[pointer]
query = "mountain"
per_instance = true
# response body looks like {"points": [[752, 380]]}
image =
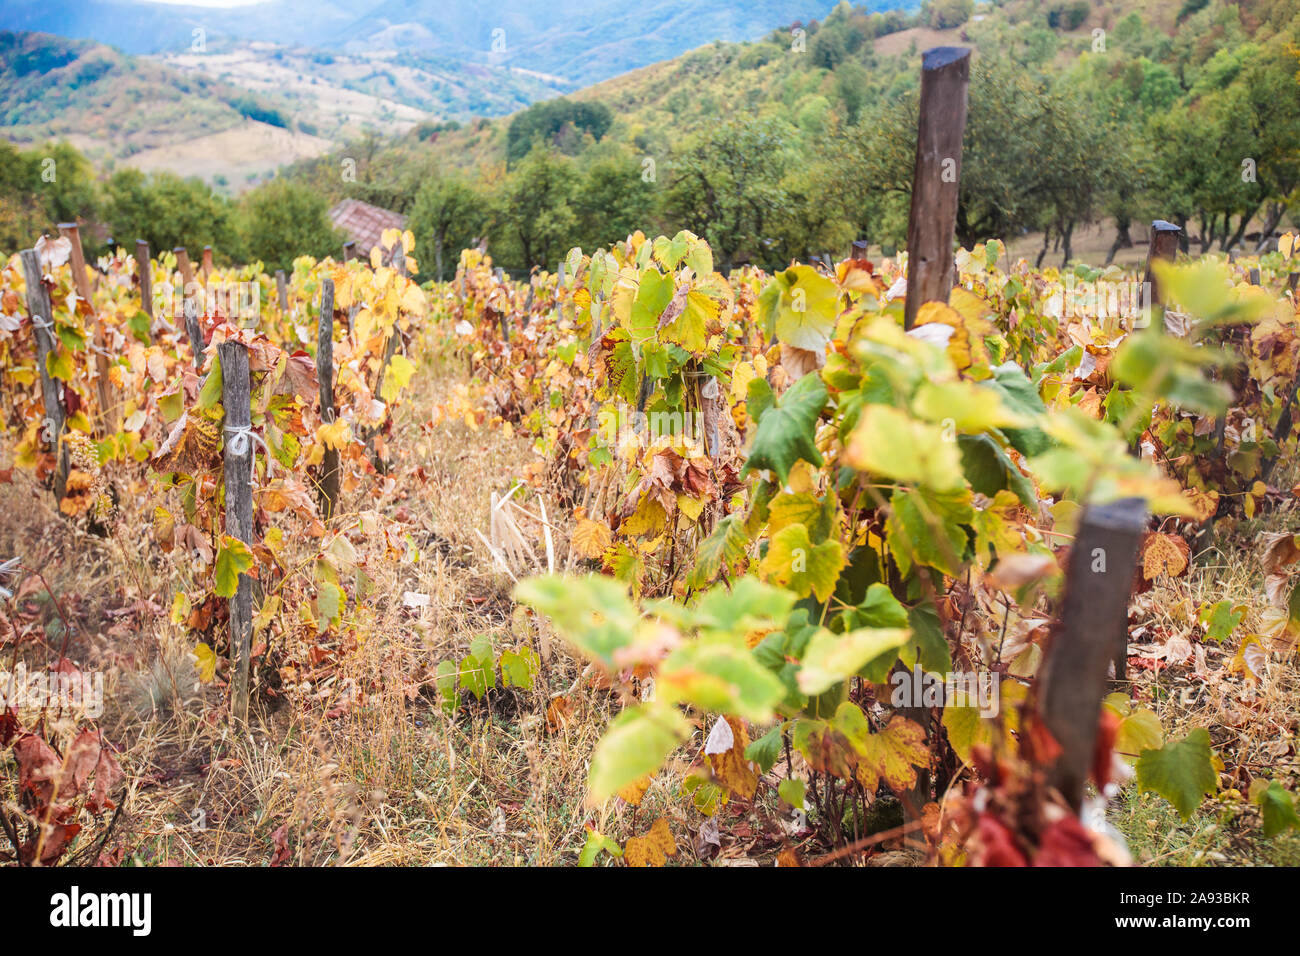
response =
{"points": [[577, 41], [115, 107]]}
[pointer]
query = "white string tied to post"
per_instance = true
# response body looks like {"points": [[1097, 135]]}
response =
{"points": [[242, 440], [40, 323]]}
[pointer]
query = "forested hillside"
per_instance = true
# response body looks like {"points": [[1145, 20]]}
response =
{"points": [[799, 143]]}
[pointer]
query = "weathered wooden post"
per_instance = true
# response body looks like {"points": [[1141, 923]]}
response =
{"points": [[1093, 633], [81, 282], [395, 337], [206, 267], [235, 398], [329, 480], [186, 267], [282, 291], [190, 290], [349, 250], [144, 277], [47, 344], [77, 259], [1254, 275], [936, 179], [1292, 280], [1164, 245]]}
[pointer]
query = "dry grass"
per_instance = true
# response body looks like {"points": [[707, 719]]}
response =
{"points": [[1253, 725], [391, 779]]}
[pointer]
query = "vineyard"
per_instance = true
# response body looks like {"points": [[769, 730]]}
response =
{"points": [[931, 559], [735, 509]]}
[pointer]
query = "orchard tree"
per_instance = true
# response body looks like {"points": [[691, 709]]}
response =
{"points": [[726, 185], [167, 211], [535, 217], [281, 220], [448, 216]]}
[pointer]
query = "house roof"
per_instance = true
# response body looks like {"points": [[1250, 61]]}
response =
{"points": [[364, 223]]}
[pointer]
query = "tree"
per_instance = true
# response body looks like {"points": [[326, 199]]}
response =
{"points": [[946, 14], [281, 220], [535, 218], [167, 211], [614, 198], [449, 215], [726, 186], [550, 120]]}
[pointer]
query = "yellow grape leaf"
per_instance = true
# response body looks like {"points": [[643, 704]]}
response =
{"points": [[180, 607], [1164, 554], [725, 751], [653, 848], [792, 561], [413, 300], [741, 376], [333, 435], [164, 528], [1204, 504], [889, 442], [207, 662], [400, 370], [590, 538], [967, 727], [691, 507], [635, 791], [892, 755], [1250, 658]]}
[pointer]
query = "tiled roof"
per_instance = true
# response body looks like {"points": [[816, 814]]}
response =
{"points": [[364, 223]]}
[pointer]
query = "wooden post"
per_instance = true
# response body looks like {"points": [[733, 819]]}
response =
{"points": [[235, 398], [206, 267], [329, 481], [47, 344], [189, 291], [282, 290], [1093, 633], [1254, 275], [187, 269], [1291, 281], [945, 77], [144, 277], [399, 266], [77, 259], [1164, 245], [81, 282], [349, 250]]}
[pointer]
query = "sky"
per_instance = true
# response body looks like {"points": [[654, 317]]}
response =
{"points": [[205, 3]]}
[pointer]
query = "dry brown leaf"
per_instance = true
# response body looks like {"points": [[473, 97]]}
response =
{"points": [[653, 848], [1164, 554], [590, 538]]}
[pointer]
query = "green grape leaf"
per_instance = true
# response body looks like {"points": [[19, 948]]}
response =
{"points": [[1182, 772], [787, 430], [592, 613], [794, 561], [724, 548], [635, 745], [830, 658], [233, 559], [891, 443], [1278, 809]]}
